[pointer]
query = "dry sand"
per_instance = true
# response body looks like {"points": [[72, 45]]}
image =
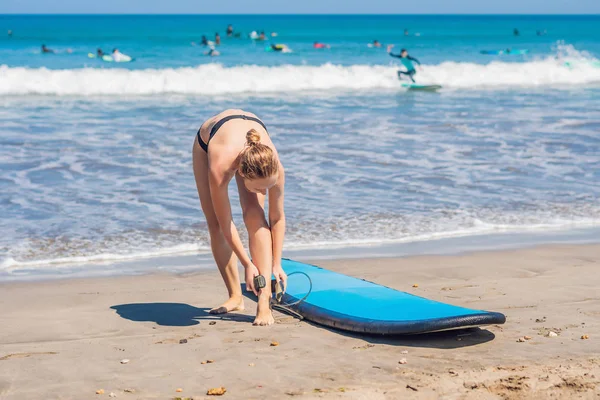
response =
{"points": [[66, 339]]}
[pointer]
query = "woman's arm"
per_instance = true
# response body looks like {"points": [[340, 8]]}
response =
{"points": [[219, 182], [277, 224]]}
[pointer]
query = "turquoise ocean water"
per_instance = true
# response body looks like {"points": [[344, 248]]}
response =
{"points": [[95, 161], [166, 41]]}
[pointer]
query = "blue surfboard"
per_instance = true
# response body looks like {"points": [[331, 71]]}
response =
{"points": [[343, 302], [418, 86]]}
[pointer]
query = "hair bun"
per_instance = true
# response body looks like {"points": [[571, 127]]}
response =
{"points": [[252, 137]]}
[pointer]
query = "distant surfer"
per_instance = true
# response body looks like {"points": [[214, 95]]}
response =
{"points": [[204, 41], [407, 61], [229, 30], [376, 43], [99, 52], [262, 36], [235, 143], [280, 47], [318, 45], [117, 56], [217, 39], [516, 32], [46, 50], [212, 52]]}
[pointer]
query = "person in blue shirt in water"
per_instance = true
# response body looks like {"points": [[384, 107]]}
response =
{"points": [[407, 61]]}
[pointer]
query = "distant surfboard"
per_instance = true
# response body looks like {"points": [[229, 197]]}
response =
{"points": [[418, 86], [577, 63], [108, 58], [506, 52], [280, 48]]}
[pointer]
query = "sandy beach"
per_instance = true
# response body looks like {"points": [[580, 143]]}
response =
{"points": [[66, 339]]}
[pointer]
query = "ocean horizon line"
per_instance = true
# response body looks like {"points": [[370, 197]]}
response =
{"points": [[306, 14]]}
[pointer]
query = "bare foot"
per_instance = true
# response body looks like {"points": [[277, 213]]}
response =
{"points": [[233, 304], [264, 316]]}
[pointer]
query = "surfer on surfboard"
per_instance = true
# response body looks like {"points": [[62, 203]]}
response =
{"points": [[235, 143], [120, 57], [407, 61]]}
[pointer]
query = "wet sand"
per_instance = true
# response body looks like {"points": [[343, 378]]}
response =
{"points": [[66, 339]]}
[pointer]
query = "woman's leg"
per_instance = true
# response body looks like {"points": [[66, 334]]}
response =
{"points": [[261, 246], [224, 257]]}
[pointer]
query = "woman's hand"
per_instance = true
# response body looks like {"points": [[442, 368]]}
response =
{"points": [[251, 272], [280, 276]]}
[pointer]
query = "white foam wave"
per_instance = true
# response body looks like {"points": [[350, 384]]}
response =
{"points": [[211, 79], [10, 264], [477, 228]]}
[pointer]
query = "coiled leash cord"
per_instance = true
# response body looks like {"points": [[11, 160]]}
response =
{"points": [[285, 307]]}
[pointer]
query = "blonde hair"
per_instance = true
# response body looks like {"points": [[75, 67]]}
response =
{"points": [[257, 160]]}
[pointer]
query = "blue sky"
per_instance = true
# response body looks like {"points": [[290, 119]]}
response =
{"points": [[301, 7]]}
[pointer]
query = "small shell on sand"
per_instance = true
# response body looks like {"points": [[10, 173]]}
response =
{"points": [[212, 323], [210, 361], [182, 341], [129, 390], [216, 391], [583, 337], [111, 394], [402, 361], [179, 390], [527, 337], [521, 339], [251, 365], [551, 334], [124, 361], [203, 362], [274, 343], [100, 391], [416, 285]]}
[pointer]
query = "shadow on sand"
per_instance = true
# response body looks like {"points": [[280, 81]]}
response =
{"points": [[173, 314], [179, 314]]}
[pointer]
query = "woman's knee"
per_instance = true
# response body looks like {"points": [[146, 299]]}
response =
{"points": [[254, 218], [214, 230]]}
